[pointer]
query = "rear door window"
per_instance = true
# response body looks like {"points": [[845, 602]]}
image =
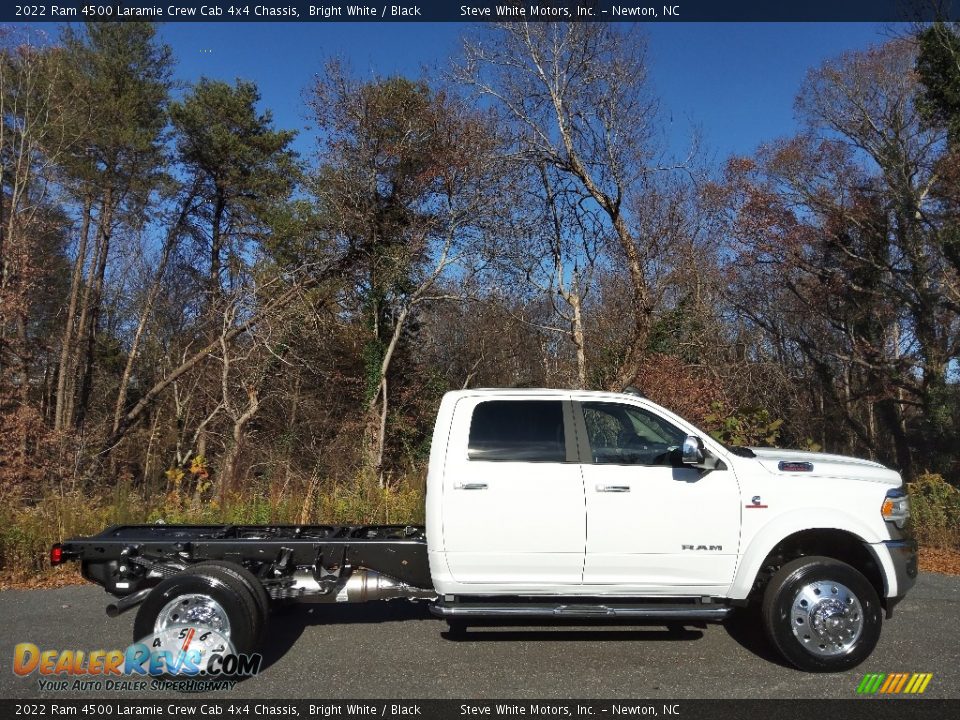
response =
{"points": [[517, 431]]}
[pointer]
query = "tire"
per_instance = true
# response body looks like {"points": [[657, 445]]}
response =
{"points": [[821, 614], [251, 582], [226, 592]]}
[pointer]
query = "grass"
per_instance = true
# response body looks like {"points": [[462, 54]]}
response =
{"points": [[27, 532]]}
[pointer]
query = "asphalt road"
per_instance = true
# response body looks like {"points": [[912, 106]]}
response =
{"points": [[398, 650]]}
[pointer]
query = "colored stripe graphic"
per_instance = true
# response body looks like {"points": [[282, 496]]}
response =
{"points": [[922, 682], [890, 682], [870, 683], [894, 683], [900, 683]]}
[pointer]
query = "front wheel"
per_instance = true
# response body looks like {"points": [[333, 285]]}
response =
{"points": [[821, 614]]}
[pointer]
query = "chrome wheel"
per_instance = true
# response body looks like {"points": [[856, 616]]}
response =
{"points": [[192, 610], [827, 618]]}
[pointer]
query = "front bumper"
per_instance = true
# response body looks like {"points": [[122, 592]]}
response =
{"points": [[903, 557]]}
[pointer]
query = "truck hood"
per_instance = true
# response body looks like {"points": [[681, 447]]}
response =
{"points": [[824, 465]]}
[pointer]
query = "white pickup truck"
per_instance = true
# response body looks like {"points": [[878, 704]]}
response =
{"points": [[558, 504]]}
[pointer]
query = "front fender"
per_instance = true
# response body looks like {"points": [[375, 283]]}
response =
{"points": [[786, 524]]}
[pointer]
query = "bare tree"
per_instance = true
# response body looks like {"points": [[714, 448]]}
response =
{"points": [[552, 245], [33, 140], [577, 97]]}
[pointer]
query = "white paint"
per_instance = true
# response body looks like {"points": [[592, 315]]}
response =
{"points": [[544, 529]]}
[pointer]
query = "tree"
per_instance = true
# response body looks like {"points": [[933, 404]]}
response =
{"points": [[33, 139], [120, 78], [576, 96], [550, 245], [406, 178], [938, 67], [243, 167], [843, 258]]}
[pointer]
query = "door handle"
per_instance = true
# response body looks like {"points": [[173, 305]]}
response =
{"points": [[470, 486], [613, 488]]}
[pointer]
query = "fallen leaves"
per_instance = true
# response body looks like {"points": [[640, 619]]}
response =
{"points": [[940, 560], [52, 578]]}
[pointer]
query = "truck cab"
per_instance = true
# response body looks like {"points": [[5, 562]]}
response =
{"points": [[591, 494]]}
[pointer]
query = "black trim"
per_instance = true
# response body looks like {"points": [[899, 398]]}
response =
{"points": [[570, 433], [903, 554], [905, 563]]}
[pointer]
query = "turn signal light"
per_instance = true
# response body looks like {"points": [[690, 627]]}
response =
{"points": [[896, 507]]}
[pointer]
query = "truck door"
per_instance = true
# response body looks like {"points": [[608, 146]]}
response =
{"points": [[513, 496], [652, 523]]}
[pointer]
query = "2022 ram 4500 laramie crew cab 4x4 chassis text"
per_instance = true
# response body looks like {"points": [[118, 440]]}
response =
{"points": [[560, 504]]}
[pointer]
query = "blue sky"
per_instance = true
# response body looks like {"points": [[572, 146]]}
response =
{"points": [[735, 82]]}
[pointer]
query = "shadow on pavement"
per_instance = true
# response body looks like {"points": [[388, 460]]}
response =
{"points": [[288, 622], [746, 629], [287, 625]]}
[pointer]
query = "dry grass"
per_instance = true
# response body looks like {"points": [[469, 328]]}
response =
{"points": [[27, 532]]}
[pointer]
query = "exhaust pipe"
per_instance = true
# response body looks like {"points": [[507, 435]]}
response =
{"points": [[125, 603]]}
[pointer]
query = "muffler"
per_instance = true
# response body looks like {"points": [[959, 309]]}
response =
{"points": [[366, 585]]}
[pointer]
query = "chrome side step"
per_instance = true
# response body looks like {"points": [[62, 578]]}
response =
{"points": [[670, 613]]}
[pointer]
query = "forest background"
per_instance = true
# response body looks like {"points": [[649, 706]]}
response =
{"points": [[200, 324]]}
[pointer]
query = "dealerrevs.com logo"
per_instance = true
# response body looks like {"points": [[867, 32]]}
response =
{"points": [[894, 683], [184, 658]]}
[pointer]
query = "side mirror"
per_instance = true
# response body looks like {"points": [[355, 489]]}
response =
{"points": [[691, 452]]}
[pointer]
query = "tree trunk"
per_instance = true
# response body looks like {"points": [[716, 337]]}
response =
{"points": [[216, 243], [889, 413], [171, 241], [578, 340], [379, 404], [93, 313], [66, 367], [233, 449]]}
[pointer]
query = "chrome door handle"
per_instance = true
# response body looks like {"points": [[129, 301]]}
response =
{"points": [[470, 486], [613, 488]]}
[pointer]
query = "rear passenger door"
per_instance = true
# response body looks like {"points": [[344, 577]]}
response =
{"points": [[513, 496]]}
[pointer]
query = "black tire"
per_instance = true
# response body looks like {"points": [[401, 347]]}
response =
{"points": [[249, 579], [224, 588], [780, 613]]}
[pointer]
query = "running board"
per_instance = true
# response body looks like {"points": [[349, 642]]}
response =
{"points": [[669, 613]]}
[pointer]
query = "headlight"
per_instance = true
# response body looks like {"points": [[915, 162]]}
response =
{"points": [[896, 507]]}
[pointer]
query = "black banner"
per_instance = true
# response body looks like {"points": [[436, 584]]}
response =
{"points": [[225, 709], [486, 10]]}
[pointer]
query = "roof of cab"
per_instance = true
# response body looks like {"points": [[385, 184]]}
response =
{"points": [[548, 392]]}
